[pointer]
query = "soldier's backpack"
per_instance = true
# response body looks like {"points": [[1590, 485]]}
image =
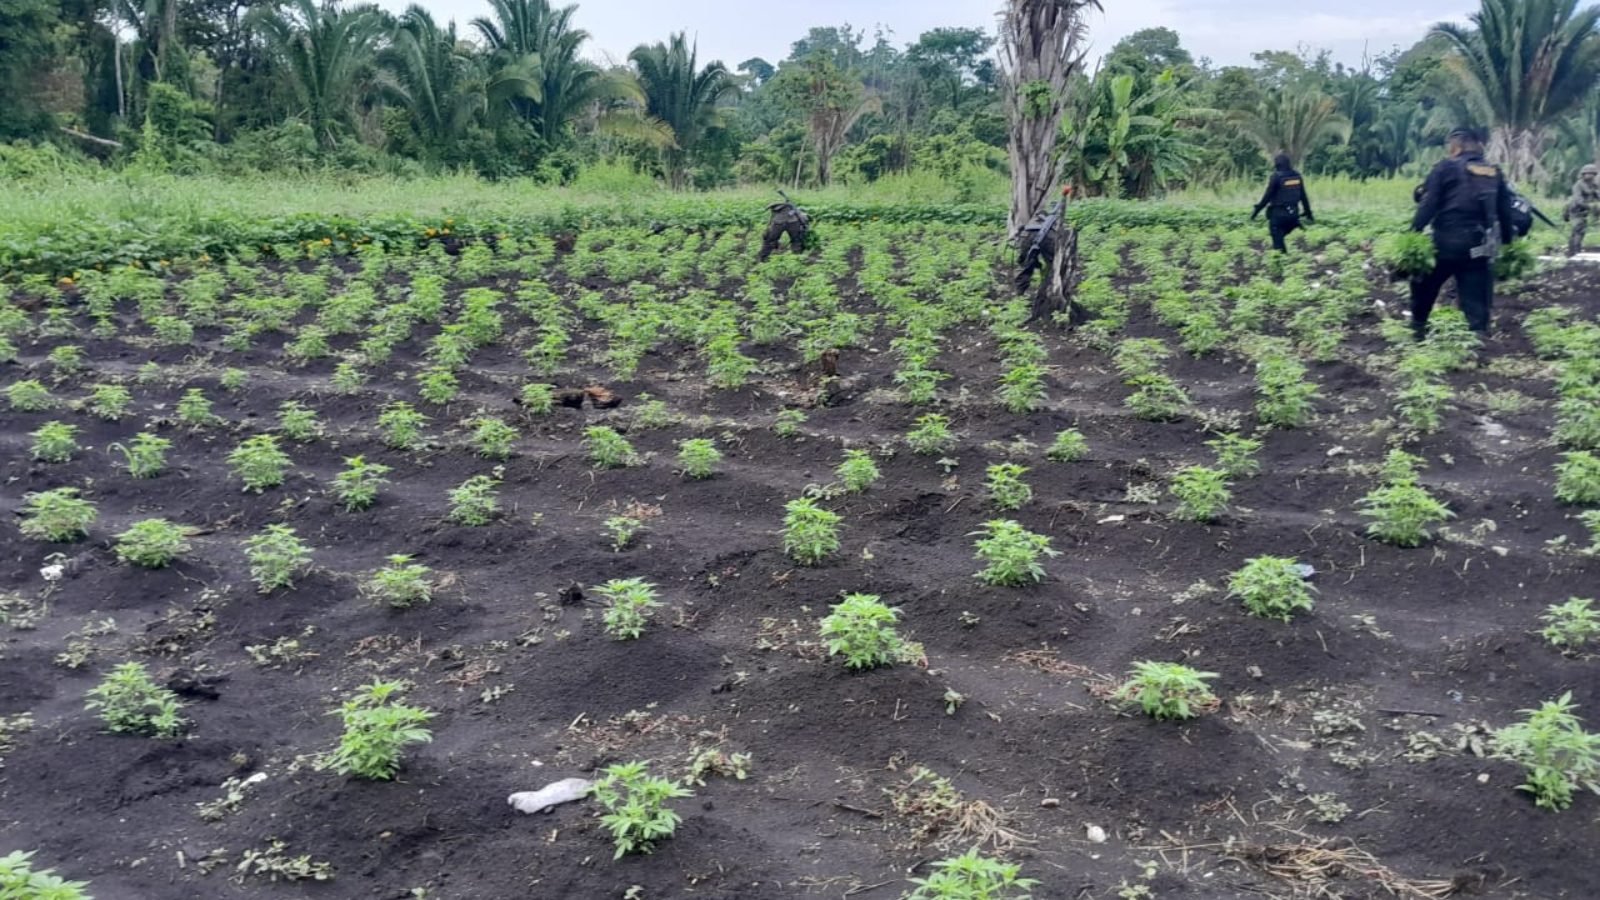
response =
{"points": [[1521, 215]]}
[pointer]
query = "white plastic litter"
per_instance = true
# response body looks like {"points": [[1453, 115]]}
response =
{"points": [[1306, 570], [1095, 834], [52, 573], [550, 796]]}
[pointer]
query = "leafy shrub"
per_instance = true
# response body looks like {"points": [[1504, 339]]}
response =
{"points": [[357, 486], [152, 543], [259, 463], [1168, 690], [194, 409], [298, 422], [973, 876], [861, 628], [376, 730], [1202, 494], [19, 880], [276, 556], [1271, 587], [1283, 396], [1022, 388], [608, 449], [1572, 624], [628, 605], [1157, 398], [58, 515], [1516, 260], [402, 583], [110, 402], [1068, 446], [858, 471], [622, 530], [788, 422], [1578, 478], [55, 442], [538, 399], [475, 502], [1556, 752], [636, 807], [810, 533], [699, 457], [131, 703], [931, 436], [1007, 490], [1011, 553]]}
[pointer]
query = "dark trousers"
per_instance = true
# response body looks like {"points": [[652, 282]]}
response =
{"points": [[1280, 225], [1474, 285], [775, 231]]}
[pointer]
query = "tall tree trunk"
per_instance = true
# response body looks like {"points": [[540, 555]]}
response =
{"points": [[1041, 43]]}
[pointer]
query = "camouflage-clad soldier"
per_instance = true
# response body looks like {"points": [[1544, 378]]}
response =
{"points": [[1585, 202], [786, 219]]}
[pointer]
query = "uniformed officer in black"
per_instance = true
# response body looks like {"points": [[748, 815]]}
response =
{"points": [[1468, 203], [1285, 196]]}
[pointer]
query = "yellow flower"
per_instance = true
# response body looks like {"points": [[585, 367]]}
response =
{"points": [[65, 282], [446, 231], [430, 232], [327, 242]]}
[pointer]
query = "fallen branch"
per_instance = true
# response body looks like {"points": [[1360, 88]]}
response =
{"points": [[85, 136]]}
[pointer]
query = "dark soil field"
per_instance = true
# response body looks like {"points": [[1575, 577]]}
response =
{"points": [[1349, 755]]}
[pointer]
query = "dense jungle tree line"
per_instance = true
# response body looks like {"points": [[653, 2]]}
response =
{"points": [[273, 85]]}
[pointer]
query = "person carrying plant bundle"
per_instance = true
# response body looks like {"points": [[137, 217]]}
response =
{"points": [[1469, 205], [786, 218], [1584, 203], [1283, 201]]}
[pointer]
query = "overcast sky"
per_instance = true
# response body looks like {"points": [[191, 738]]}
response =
{"points": [[1227, 31]]}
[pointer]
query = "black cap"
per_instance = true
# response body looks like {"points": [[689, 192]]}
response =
{"points": [[1466, 132]]}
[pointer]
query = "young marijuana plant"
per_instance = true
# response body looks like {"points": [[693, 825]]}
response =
{"points": [[194, 409], [357, 486], [438, 386], [131, 703], [1572, 624], [493, 438], [1577, 477], [1271, 587], [475, 502], [152, 543], [276, 556], [20, 880], [636, 807], [628, 605], [861, 629], [1012, 554], [1401, 513], [110, 402], [788, 422], [58, 515], [402, 583], [298, 422], [622, 530], [608, 449], [810, 533], [55, 442], [699, 457], [1168, 690], [259, 463], [538, 399], [1202, 494], [376, 730], [1007, 490], [29, 396], [1068, 446], [932, 435], [857, 472], [1557, 753], [1022, 388], [1236, 455], [973, 876], [401, 426]]}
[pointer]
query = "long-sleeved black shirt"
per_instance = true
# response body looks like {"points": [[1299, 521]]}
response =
{"points": [[1452, 199], [1286, 189]]}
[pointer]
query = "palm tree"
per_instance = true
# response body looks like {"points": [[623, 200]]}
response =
{"points": [[537, 42], [1524, 64], [425, 70], [1293, 122], [682, 95], [324, 51], [830, 100]]}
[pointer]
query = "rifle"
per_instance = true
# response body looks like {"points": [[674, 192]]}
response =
{"points": [[1046, 228]]}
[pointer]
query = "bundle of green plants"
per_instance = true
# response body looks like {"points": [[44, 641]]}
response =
{"points": [[1409, 254]]}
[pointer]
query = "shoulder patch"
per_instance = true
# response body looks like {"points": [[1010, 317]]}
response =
{"points": [[1482, 169], [1291, 182]]}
